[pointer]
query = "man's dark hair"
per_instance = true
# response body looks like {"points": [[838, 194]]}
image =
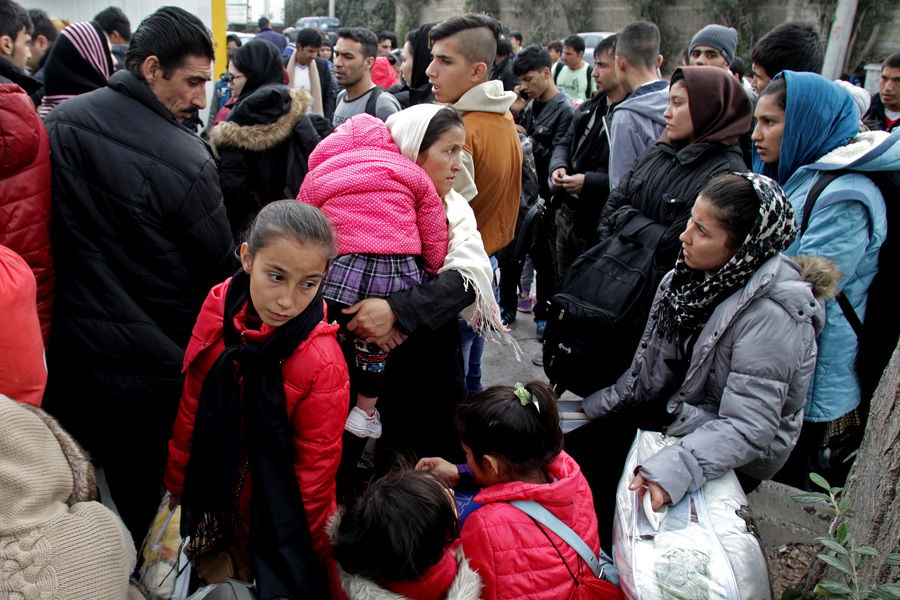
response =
{"points": [[479, 33], [387, 35], [738, 68], [517, 35], [575, 42], [113, 19], [12, 19], [793, 46], [639, 44], [364, 36], [171, 34], [42, 25], [263, 22], [309, 37], [234, 38], [532, 58], [892, 61], [607, 44], [555, 45], [504, 47]]}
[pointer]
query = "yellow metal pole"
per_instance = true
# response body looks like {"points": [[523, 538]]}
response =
{"points": [[219, 28]]}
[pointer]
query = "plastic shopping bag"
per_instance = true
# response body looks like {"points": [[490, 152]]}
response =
{"points": [[165, 569], [699, 549]]}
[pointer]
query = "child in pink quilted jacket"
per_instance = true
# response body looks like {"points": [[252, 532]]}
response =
{"points": [[391, 228]]}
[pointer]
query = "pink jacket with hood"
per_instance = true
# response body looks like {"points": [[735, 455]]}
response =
{"points": [[378, 201]]}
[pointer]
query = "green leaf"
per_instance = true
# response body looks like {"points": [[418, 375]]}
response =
{"points": [[789, 594], [841, 533], [836, 490], [835, 587], [891, 588], [819, 481], [830, 543], [810, 497], [836, 563], [893, 559], [867, 550], [844, 504]]}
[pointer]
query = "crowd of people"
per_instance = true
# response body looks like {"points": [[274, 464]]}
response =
{"points": [[279, 321]]}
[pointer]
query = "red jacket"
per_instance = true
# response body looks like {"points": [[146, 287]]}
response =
{"points": [[509, 552], [317, 394], [25, 192]]}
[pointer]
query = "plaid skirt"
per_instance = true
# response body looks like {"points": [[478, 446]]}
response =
{"points": [[355, 277]]}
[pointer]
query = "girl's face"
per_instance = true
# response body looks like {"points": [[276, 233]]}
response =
{"points": [[705, 240], [407, 64], [444, 159], [679, 125], [325, 52], [237, 81], [769, 128], [284, 278]]}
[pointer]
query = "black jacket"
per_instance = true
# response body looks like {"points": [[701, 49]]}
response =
{"points": [[503, 72], [263, 148], [874, 118], [140, 236], [589, 157], [663, 186], [10, 73], [547, 130]]}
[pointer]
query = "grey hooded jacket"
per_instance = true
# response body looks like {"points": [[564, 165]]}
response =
{"points": [[741, 403], [638, 122]]}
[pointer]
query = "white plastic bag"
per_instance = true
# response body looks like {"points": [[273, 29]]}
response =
{"points": [[165, 569], [702, 549]]}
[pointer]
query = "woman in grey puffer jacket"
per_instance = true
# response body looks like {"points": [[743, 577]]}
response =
{"points": [[726, 357]]}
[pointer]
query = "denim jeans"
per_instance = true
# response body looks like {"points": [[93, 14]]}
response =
{"points": [[473, 345]]}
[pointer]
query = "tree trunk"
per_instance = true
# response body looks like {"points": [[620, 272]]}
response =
{"points": [[874, 485]]}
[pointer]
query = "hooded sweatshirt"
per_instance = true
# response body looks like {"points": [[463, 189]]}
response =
{"points": [[848, 223], [491, 179], [638, 123]]}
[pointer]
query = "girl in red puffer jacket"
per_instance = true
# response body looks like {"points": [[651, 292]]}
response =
{"points": [[257, 440], [513, 446]]}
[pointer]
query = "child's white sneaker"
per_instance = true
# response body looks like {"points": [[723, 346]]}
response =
{"points": [[362, 425]]}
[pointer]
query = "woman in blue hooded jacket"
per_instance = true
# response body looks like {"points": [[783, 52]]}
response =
{"points": [[808, 126]]}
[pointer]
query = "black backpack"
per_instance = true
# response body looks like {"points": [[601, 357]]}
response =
{"points": [[600, 309]]}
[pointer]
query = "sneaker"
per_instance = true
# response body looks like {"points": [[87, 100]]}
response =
{"points": [[526, 302], [362, 425], [540, 326], [507, 317], [538, 359]]}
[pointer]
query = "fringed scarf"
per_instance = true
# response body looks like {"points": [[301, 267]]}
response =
{"points": [[692, 296], [283, 558]]}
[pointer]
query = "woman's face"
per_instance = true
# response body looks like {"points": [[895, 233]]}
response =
{"points": [[679, 125], [406, 66], [237, 81], [705, 241], [444, 159], [325, 51], [769, 128]]}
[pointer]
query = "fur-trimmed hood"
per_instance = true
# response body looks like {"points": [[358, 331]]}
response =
{"points": [[249, 127], [821, 273], [466, 585]]}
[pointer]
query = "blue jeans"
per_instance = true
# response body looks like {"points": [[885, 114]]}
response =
{"points": [[473, 345]]}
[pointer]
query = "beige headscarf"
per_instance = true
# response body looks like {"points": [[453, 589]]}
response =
{"points": [[465, 249]]}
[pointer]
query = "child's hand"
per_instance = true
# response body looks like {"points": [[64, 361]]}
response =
{"points": [[440, 467], [390, 341], [374, 318]]}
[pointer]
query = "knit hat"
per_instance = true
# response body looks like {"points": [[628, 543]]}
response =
{"points": [[54, 541], [724, 39]]}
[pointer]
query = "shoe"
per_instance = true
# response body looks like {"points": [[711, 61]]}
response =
{"points": [[362, 425], [526, 302], [507, 317], [538, 359], [540, 327]]}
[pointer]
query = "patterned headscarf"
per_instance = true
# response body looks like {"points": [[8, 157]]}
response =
{"points": [[79, 62], [692, 296]]}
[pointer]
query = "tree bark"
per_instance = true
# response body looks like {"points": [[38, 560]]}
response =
{"points": [[874, 486]]}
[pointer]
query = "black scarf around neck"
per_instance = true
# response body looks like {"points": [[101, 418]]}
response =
{"points": [[284, 561]]}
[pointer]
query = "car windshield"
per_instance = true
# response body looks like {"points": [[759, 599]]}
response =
{"points": [[330, 23]]}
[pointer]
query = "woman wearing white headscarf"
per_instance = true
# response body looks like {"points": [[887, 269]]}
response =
{"points": [[424, 379]]}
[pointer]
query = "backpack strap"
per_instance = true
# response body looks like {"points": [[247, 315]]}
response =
{"points": [[587, 90], [600, 567], [556, 70], [814, 192], [372, 102]]}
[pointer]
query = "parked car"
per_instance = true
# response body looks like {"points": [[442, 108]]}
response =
{"points": [[327, 26]]}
